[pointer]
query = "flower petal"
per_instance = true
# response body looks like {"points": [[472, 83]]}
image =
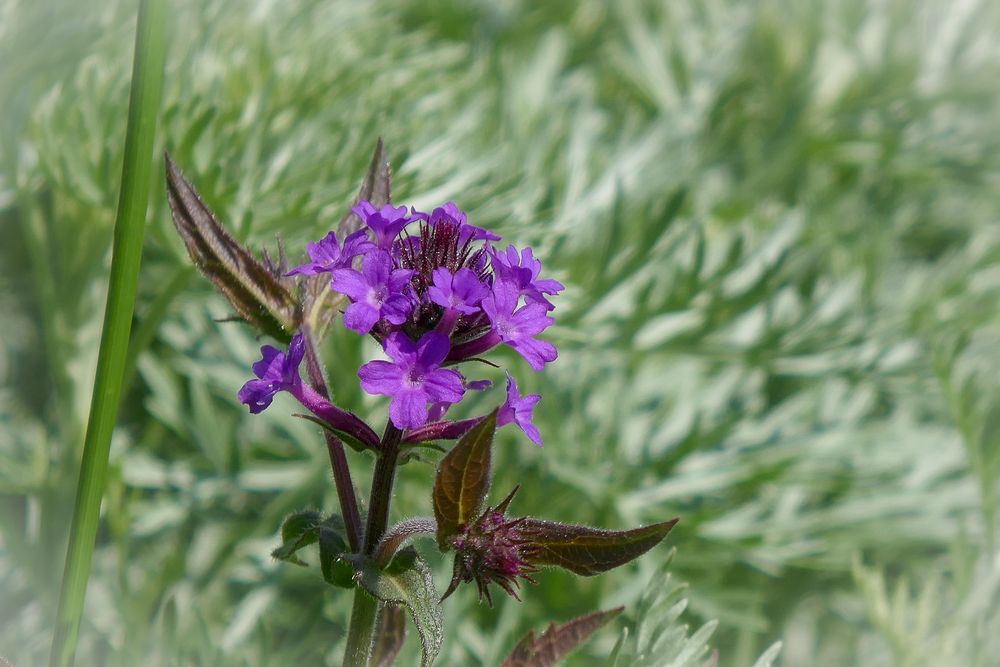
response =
{"points": [[408, 409]]}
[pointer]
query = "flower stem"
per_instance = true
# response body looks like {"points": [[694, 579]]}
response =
{"points": [[335, 449], [144, 103], [383, 479], [362, 629], [365, 612]]}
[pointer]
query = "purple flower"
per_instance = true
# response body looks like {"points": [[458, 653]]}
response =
{"points": [[276, 371], [449, 212], [462, 291], [522, 271], [386, 222], [378, 291], [518, 327], [328, 254], [517, 409], [413, 378]]}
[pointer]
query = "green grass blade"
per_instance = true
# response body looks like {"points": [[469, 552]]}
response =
{"points": [[144, 102]]}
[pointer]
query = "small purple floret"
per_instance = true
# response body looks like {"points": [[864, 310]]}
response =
{"points": [[462, 291], [386, 222], [518, 327], [450, 212], [517, 410], [522, 271], [378, 292], [276, 371], [414, 378], [328, 254]]}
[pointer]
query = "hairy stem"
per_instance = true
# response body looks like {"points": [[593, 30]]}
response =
{"points": [[365, 613], [335, 448], [362, 629], [382, 482]]}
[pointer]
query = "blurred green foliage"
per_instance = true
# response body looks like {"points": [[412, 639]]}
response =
{"points": [[777, 222]]}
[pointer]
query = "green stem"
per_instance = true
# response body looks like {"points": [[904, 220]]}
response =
{"points": [[365, 613], [362, 630], [144, 102], [383, 479]]}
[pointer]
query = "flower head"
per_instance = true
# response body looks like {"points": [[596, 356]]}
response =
{"points": [[378, 291], [328, 254], [492, 550], [276, 371], [414, 378], [517, 409]]}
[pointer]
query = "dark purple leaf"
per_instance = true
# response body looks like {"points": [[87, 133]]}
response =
{"points": [[588, 551], [557, 641], [463, 480], [253, 287], [389, 636], [443, 430]]}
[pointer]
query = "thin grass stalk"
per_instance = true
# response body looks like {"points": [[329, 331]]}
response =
{"points": [[144, 103]]}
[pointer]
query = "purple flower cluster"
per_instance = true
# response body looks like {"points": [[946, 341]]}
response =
{"points": [[434, 291]]}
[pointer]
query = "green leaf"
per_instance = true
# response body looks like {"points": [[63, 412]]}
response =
{"points": [[463, 480], [298, 530], [304, 528], [252, 287], [322, 304], [332, 546], [557, 640], [406, 581], [588, 551], [389, 636]]}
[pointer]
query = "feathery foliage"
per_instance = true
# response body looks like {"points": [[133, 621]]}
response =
{"points": [[777, 225]]}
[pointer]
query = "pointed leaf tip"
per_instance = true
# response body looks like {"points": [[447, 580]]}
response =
{"points": [[557, 641], [251, 287], [322, 305], [588, 551], [463, 480]]}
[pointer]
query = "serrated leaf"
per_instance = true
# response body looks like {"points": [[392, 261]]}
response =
{"points": [[299, 530], [252, 288], [557, 641], [406, 581], [463, 480], [588, 551], [322, 303], [390, 634]]}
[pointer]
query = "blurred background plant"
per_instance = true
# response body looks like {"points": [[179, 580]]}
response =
{"points": [[777, 222]]}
